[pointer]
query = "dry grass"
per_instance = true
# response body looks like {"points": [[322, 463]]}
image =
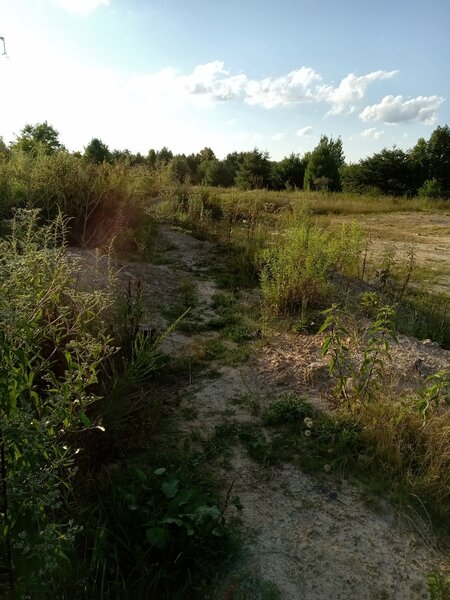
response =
{"points": [[332, 203], [416, 451]]}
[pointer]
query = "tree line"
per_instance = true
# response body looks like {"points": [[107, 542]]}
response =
{"points": [[422, 170]]}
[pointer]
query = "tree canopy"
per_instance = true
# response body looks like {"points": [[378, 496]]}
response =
{"points": [[322, 171], [97, 152], [40, 137]]}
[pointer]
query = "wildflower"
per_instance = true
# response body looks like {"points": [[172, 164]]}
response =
{"points": [[327, 468], [307, 432], [308, 422]]}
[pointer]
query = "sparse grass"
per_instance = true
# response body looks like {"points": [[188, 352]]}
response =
{"points": [[249, 401]]}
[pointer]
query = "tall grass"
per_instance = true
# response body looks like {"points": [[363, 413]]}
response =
{"points": [[297, 270], [100, 200]]}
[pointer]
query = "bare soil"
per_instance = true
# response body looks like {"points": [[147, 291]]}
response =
{"points": [[428, 233], [312, 538]]}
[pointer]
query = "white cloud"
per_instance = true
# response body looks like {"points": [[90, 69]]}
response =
{"points": [[304, 131], [372, 133], [80, 7], [213, 80], [352, 89], [293, 88], [394, 109]]}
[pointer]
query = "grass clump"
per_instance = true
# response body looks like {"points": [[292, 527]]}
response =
{"points": [[296, 273], [288, 408]]}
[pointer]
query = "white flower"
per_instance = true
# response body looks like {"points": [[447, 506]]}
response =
{"points": [[327, 468], [307, 432], [308, 422]]}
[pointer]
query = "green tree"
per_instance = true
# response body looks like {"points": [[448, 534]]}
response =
{"points": [[439, 157], [151, 158], [39, 137], [219, 173], [204, 157], [254, 170], [4, 150], [288, 173], [322, 171], [164, 156], [390, 171], [179, 168], [420, 163], [97, 152]]}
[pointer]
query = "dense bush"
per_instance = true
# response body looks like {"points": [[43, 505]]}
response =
{"points": [[53, 342]]}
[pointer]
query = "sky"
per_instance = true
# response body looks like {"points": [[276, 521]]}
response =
{"points": [[231, 75]]}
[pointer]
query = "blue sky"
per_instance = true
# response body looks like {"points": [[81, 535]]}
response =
{"points": [[231, 75]]}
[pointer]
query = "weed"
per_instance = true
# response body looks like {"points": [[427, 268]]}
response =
{"points": [[287, 409], [54, 344], [439, 586], [151, 532]]}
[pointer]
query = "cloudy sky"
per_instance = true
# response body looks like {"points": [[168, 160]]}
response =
{"points": [[230, 74]]}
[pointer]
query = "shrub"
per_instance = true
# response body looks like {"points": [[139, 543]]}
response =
{"points": [[430, 189]]}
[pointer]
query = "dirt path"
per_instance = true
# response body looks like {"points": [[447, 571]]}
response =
{"points": [[309, 539]]}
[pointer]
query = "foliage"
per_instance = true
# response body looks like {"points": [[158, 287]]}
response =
{"points": [[100, 199], [322, 171], [219, 173], [438, 152], [254, 170], [152, 533], [430, 189], [297, 271], [97, 152], [41, 137], [288, 173], [53, 342], [388, 171], [368, 376], [436, 393]]}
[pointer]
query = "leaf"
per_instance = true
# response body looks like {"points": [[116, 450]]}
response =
{"points": [[173, 520], [170, 487], [158, 536], [160, 471], [84, 419]]}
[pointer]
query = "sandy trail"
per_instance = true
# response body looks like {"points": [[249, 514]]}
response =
{"points": [[311, 540], [312, 537]]}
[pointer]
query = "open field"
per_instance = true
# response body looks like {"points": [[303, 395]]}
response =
{"points": [[428, 233]]}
